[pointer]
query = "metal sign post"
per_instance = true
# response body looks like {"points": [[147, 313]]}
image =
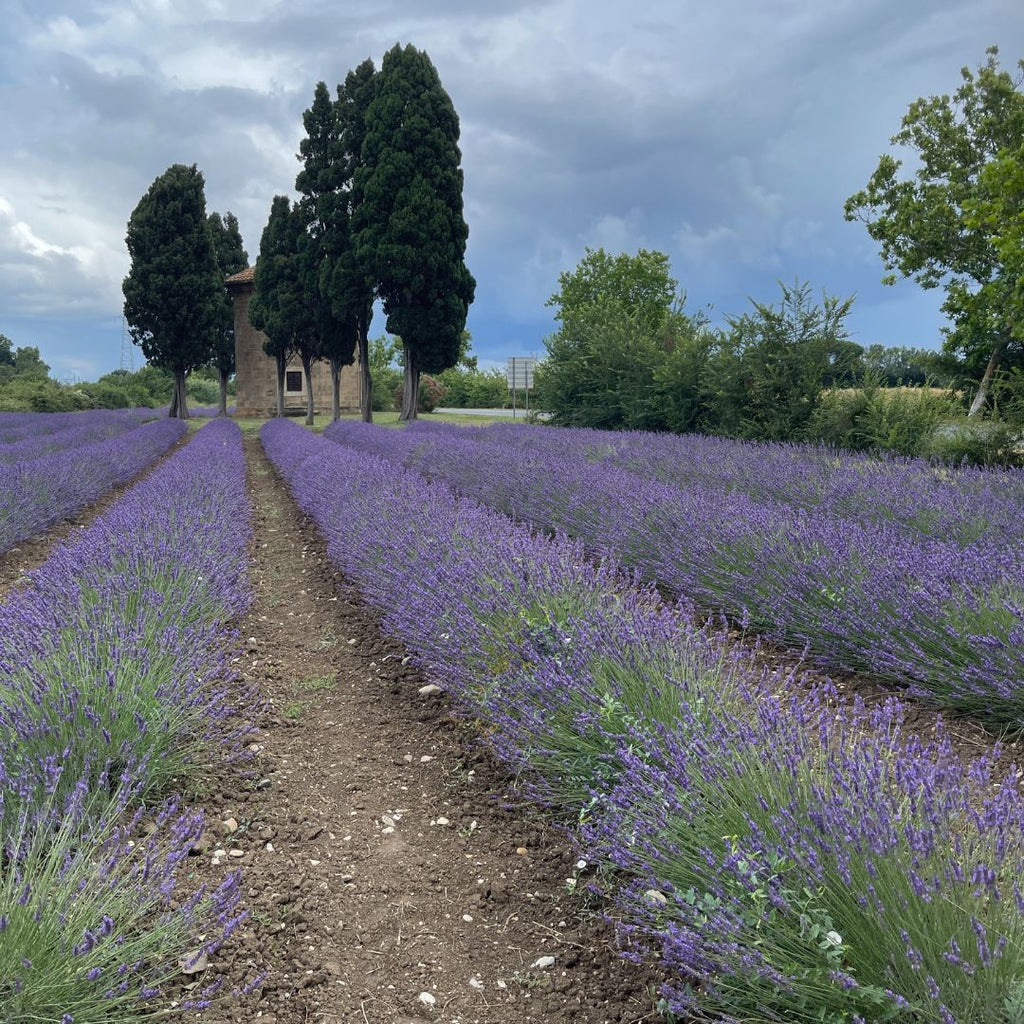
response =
{"points": [[519, 374]]}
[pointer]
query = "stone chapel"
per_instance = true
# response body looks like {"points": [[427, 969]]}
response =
{"points": [[256, 372]]}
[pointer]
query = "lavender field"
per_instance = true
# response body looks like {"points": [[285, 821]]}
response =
{"points": [[895, 568], [114, 677], [53, 465], [789, 856]]}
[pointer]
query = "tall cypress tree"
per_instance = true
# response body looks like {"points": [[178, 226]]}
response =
{"points": [[231, 258], [277, 290], [350, 287], [323, 209], [172, 294], [409, 232]]}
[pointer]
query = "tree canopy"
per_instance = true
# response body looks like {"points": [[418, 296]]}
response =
{"points": [[173, 291], [231, 258], [346, 280], [324, 213], [955, 220], [620, 319], [276, 307], [409, 232]]}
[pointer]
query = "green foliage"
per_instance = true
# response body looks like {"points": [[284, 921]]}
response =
{"points": [[28, 363], [408, 230], [626, 356], [768, 372], [474, 389], [174, 291], [975, 443], [893, 366], [432, 393], [231, 258], [956, 221], [276, 305], [40, 394], [872, 418], [6, 351], [324, 236], [623, 340]]}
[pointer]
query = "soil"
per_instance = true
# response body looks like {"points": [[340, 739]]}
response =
{"points": [[391, 872]]}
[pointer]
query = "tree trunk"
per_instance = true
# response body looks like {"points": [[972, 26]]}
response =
{"points": [[335, 390], [986, 381], [222, 409], [178, 405], [280, 383], [365, 377], [411, 390], [307, 372], [173, 411]]}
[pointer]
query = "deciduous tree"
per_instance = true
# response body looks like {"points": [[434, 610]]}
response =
{"points": [[173, 290], [952, 221]]}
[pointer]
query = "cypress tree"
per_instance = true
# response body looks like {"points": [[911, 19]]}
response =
{"points": [[324, 214], [409, 232], [172, 294], [350, 287], [231, 258], [277, 290]]}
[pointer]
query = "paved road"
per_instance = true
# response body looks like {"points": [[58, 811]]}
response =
{"points": [[520, 414]]}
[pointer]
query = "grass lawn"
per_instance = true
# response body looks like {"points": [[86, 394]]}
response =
{"points": [[384, 419]]}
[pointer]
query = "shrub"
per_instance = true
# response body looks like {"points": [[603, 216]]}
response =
{"points": [[432, 391], [871, 418], [40, 394], [969, 443]]}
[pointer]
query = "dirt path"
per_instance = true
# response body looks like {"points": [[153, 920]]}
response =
{"points": [[391, 874]]}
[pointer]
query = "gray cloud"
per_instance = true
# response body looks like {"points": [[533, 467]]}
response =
{"points": [[727, 135]]}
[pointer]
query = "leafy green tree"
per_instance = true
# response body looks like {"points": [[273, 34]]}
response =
{"points": [[409, 232], [28, 362], [231, 258], [277, 290], [173, 290], [6, 351], [954, 221], [621, 326], [310, 316], [767, 373]]}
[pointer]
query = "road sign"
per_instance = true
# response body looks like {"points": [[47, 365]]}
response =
{"points": [[519, 373]]}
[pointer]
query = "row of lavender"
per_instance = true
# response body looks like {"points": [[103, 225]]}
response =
{"points": [[784, 857], [920, 497], [114, 678], [38, 435], [18, 426], [41, 487], [942, 612]]}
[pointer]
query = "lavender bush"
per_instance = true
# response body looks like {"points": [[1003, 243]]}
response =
{"points": [[88, 427], [929, 598], [113, 678], [38, 492], [787, 858]]}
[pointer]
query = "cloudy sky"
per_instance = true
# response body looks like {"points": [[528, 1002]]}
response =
{"points": [[726, 134]]}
